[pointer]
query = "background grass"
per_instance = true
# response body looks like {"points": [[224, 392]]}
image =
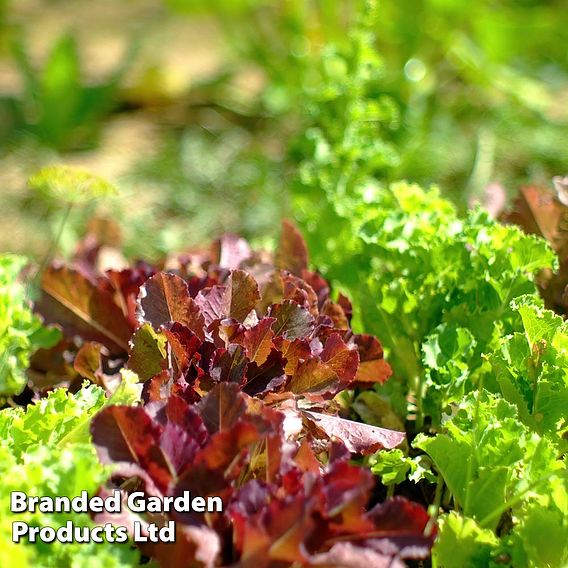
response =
{"points": [[197, 110]]}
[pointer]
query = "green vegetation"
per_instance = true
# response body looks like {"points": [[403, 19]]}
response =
{"points": [[46, 451], [389, 368], [21, 332], [56, 107]]}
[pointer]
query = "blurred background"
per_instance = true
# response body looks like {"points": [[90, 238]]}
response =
{"points": [[202, 112]]}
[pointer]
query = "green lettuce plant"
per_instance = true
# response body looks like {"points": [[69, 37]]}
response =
{"points": [[21, 332], [45, 450]]}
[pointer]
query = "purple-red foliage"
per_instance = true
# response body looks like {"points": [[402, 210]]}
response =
{"points": [[282, 505], [241, 356]]}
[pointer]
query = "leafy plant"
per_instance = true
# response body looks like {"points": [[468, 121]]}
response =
{"points": [[239, 377], [529, 367], [437, 288], [494, 465], [455, 302], [280, 334], [21, 332], [281, 504], [542, 211], [46, 451], [56, 106]]}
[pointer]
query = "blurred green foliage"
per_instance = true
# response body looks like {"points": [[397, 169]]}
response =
{"points": [[57, 106], [211, 180], [457, 93], [441, 91], [481, 87]]}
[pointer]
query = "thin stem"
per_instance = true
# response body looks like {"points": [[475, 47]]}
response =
{"points": [[447, 498], [419, 424], [54, 242], [435, 506]]}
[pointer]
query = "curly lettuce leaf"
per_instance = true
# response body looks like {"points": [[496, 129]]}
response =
{"points": [[45, 450], [504, 478], [21, 332], [434, 287], [463, 543], [531, 367]]}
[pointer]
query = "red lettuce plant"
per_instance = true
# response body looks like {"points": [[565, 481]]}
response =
{"points": [[284, 507], [241, 356], [210, 314]]}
